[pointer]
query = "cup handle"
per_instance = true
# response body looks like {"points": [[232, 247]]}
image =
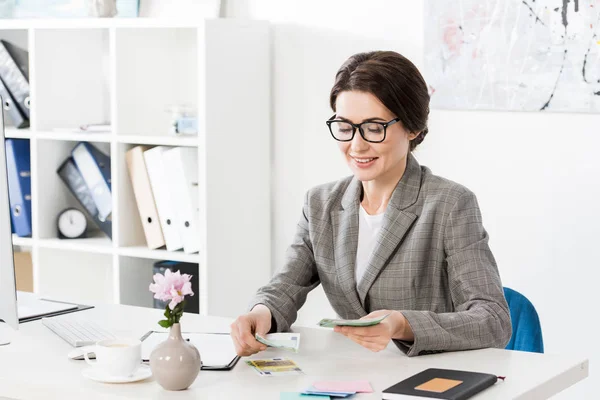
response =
{"points": [[87, 359]]}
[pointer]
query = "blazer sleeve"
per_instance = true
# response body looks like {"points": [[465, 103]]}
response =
{"points": [[288, 288], [481, 317]]}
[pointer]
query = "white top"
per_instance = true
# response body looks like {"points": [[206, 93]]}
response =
{"points": [[36, 363], [368, 229]]}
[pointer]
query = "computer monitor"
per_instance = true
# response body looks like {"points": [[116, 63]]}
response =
{"points": [[16, 306], [8, 290]]}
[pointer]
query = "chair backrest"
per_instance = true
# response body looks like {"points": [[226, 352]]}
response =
{"points": [[526, 327]]}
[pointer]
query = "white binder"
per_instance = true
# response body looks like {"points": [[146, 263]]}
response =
{"points": [[181, 169], [165, 204], [144, 197]]}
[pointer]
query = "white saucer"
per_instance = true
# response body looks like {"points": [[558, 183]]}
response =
{"points": [[96, 374]]}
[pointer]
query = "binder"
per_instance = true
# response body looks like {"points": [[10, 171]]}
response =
{"points": [[14, 79], [192, 304], [20, 56], [11, 111], [181, 168], [94, 167], [71, 176], [18, 165], [163, 197], [144, 197]]}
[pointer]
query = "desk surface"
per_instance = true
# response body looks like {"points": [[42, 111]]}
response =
{"points": [[36, 364]]}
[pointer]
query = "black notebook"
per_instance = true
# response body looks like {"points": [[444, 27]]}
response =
{"points": [[436, 383]]}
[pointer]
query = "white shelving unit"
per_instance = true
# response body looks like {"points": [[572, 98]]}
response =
{"points": [[127, 73]]}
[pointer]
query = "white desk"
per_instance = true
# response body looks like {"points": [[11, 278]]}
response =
{"points": [[35, 365]]}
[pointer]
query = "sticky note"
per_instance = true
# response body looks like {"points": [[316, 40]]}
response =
{"points": [[344, 386], [300, 396], [438, 385]]}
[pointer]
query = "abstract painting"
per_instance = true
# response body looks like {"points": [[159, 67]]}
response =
{"points": [[529, 55]]}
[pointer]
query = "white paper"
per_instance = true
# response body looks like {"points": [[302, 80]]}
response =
{"points": [[216, 350]]}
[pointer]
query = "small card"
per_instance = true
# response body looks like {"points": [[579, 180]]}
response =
{"points": [[275, 367], [313, 391], [300, 396], [330, 323], [287, 341], [344, 386]]}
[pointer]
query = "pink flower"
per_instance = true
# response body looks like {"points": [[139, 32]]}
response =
{"points": [[171, 287]]}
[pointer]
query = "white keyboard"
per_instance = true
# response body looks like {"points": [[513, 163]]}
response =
{"points": [[76, 332]]}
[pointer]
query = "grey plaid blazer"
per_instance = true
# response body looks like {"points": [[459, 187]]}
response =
{"points": [[431, 262]]}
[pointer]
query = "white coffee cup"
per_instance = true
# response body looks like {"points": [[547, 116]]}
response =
{"points": [[116, 357]]}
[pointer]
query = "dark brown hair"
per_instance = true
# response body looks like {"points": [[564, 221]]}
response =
{"points": [[394, 80]]}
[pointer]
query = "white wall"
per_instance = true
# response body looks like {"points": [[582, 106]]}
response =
{"points": [[535, 174]]}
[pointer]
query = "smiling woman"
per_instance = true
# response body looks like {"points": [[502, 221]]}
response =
{"points": [[393, 239]]}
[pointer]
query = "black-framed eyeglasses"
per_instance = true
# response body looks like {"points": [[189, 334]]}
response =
{"points": [[371, 131]]}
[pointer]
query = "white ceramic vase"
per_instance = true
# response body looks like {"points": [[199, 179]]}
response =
{"points": [[175, 363]]}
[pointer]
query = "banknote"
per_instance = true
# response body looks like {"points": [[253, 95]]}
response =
{"points": [[330, 323], [287, 341], [275, 367]]}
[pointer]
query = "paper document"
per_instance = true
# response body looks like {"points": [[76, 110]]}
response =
{"points": [[216, 350], [288, 341], [330, 323]]}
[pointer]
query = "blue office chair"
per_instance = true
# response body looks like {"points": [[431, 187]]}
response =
{"points": [[526, 328]]}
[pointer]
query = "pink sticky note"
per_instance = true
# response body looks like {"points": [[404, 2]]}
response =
{"points": [[344, 386]]}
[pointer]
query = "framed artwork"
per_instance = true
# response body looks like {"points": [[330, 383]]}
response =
{"points": [[527, 55]]}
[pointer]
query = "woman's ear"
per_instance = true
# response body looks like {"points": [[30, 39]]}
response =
{"points": [[413, 135]]}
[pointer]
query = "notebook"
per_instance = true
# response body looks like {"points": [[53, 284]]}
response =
{"points": [[436, 383]]}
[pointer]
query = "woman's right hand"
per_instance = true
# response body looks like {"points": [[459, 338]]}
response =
{"points": [[246, 326]]}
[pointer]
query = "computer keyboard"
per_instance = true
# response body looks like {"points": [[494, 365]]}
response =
{"points": [[76, 332]]}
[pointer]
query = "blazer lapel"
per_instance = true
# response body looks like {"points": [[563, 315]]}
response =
{"points": [[396, 224], [345, 235]]}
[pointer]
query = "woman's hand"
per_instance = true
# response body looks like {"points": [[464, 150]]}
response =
{"points": [[245, 326], [377, 337]]}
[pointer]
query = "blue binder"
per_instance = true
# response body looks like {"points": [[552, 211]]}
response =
{"points": [[94, 167], [18, 167]]}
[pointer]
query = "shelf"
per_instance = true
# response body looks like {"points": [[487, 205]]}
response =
{"points": [[22, 241], [130, 73], [71, 85], [13, 133], [95, 23], [184, 141], [103, 137], [144, 252], [74, 136], [98, 245]]}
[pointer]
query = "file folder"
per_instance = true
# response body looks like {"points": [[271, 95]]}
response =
{"points": [[71, 176], [144, 197], [18, 165], [94, 167], [181, 168], [14, 79], [11, 111], [165, 205]]}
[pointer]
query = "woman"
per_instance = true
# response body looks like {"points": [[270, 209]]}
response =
{"points": [[392, 239]]}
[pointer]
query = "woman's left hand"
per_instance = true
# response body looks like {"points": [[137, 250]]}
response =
{"points": [[377, 337]]}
